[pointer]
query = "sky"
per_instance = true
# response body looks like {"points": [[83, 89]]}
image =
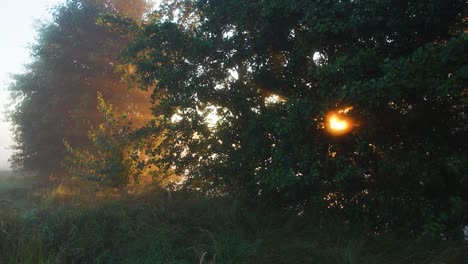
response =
{"points": [[18, 20]]}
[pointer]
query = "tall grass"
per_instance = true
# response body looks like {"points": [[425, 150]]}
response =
{"points": [[93, 225]]}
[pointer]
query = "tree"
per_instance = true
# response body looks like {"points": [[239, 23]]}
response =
{"points": [[109, 159], [400, 65], [56, 98]]}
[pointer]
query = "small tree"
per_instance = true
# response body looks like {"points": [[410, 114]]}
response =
{"points": [[110, 159]]}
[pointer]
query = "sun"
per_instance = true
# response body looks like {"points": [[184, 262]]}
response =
{"points": [[337, 123]]}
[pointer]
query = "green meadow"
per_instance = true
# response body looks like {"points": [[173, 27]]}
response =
{"points": [[78, 223]]}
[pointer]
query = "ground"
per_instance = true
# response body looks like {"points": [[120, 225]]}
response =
{"points": [[81, 222]]}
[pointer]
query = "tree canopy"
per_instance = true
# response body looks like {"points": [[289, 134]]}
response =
{"points": [[74, 57], [272, 70]]}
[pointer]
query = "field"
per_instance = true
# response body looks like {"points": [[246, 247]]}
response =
{"points": [[74, 224]]}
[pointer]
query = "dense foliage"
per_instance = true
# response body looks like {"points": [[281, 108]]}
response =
{"points": [[400, 65], [74, 58], [109, 158], [240, 91]]}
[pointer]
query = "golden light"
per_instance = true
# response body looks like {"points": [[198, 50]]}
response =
{"points": [[337, 123], [345, 110], [274, 99]]}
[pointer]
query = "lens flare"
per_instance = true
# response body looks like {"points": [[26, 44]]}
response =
{"points": [[337, 123]]}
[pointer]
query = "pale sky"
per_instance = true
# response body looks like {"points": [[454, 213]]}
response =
{"points": [[17, 28]]}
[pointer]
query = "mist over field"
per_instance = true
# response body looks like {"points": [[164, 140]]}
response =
{"points": [[5, 142]]}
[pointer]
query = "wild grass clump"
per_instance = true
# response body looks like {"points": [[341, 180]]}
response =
{"points": [[98, 225], [10, 225], [146, 229]]}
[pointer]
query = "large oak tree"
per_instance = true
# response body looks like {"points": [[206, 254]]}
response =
{"points": [[400, 65]]}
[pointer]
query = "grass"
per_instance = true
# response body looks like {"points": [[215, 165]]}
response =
{"points": [[86, 224], [19, 191]]}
